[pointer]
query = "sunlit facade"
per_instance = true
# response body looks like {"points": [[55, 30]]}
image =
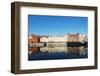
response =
{"points": [[66, 38]]}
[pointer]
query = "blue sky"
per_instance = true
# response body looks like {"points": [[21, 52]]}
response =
{"points": [[51, 25]]}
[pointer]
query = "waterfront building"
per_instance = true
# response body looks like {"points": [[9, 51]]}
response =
{"points": [[58, 38], [54, 39], [33, 39], [76, 37], [44, 39], [73, 37]]}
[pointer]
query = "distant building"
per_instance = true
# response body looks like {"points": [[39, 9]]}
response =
{"points": [[73, 37], [54, 39], [77, 37], [33, 39], [44, 39], [66, 38]]}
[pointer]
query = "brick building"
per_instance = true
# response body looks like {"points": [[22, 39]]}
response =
{"points": [[33, 39], [73, 37]]}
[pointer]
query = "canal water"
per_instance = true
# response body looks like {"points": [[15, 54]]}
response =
{"points": [[50, 53]]}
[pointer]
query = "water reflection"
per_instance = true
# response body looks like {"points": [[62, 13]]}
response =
{"points": [[54, 49], [47, 53]]}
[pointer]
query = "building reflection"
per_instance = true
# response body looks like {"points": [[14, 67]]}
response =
{"points": [[73, 50], [68, 50], [33, 50], [54, 49]]}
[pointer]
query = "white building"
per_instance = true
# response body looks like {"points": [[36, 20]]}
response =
{"points": [[66, 38], [54, 39]]}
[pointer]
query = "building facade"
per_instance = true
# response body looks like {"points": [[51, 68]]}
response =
{"points": [[54, 39], [33, 39], [66, 38], [73, 37]]}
